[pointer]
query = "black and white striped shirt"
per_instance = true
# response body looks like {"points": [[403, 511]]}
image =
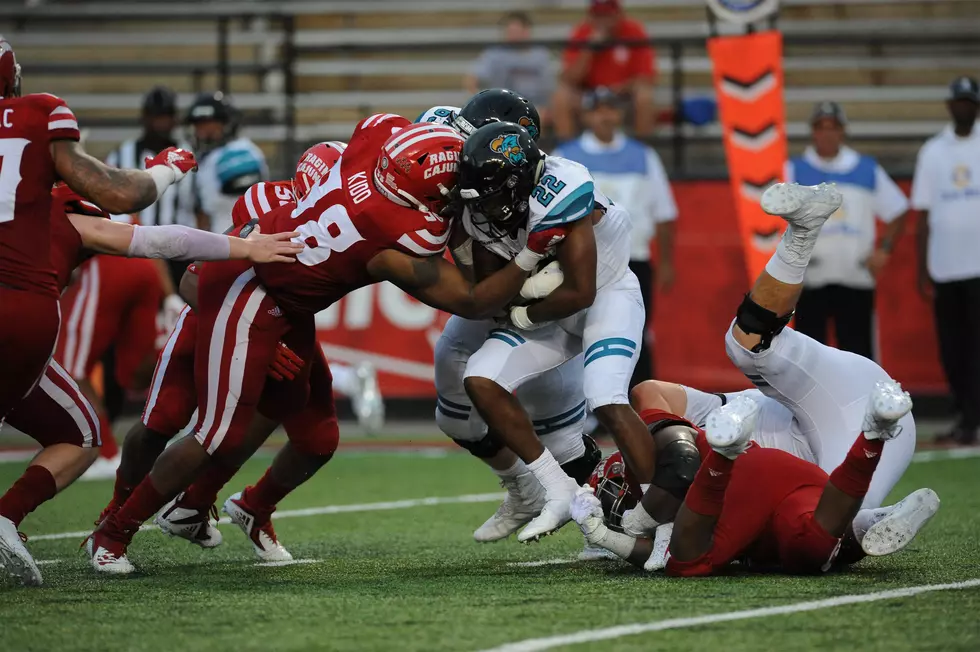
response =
{"points": [[176, 206]]}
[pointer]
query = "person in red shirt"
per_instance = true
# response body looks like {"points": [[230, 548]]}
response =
{"points": [[598, 56]]}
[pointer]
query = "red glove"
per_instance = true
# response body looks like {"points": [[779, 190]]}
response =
{"points": [[179, 160], [286, 364], [538, 245]]}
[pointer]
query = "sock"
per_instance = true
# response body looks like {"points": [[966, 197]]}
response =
{"points": [[788, 264], [866, 518], [265, 494], [109, 446], [853, 476], [518, 468], [549, 473], [144, 502], [707, 493], [344, 380], [204, 492], [35, 487]]}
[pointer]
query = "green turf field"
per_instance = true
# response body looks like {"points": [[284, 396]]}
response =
{"points": [[409, 577]]}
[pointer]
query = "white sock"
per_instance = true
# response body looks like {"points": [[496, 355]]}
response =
{"points": [[344, 379], [518, 468], [788, 264], [868, 517], [548, 472]]}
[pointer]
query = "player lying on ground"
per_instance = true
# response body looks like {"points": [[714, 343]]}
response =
{"points": [[372, 219], [815, 383], [56, 413]]}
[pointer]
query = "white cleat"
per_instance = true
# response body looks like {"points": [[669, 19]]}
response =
{"points": [[263, 537], [367, 402], [554, 515], [189, 524], [103, 468], [804, 207], [887, 404], [524, 500], [14, 556], [595, 553], [897, 529], [108, 556], [729, 428]]}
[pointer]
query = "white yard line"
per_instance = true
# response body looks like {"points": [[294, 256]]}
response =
{"points": [[544, 562], [291, 562], [328, 509], [47, 562], [607, 633]]}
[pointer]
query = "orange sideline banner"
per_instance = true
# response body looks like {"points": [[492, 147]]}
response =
{"points": [[748, 79]]}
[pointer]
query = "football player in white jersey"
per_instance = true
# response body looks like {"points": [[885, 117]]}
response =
{"points": [[554, 400], [510, 189]]}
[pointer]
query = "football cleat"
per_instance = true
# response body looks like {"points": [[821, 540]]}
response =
{"points": [[729, 428], [107, 555], [554, 515], [103, 468], [805, 208], [14, 556], [191, 524], [258, 530], [897, 529], [595, 553], [887, 404], [367, 402], [524, 500]]}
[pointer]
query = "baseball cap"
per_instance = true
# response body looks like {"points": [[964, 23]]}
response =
{"points": [[828, 109], [965, 88], [605, 6], [600, 95]]}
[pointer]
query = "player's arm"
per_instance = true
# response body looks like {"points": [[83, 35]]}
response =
{"points": [[577, 257], [642, 552], [118, 191], [177, 242]]}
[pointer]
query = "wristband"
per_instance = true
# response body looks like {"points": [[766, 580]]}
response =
{"points": [[527, 259], [163, 176]]}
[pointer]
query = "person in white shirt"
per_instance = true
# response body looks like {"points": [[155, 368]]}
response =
{"points": [[632, 175], [839, 286], [946, 192]]}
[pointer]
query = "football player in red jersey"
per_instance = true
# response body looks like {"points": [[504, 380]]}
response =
{"points": [[376, 217]]}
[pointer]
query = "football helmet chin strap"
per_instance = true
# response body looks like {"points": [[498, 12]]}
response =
{"points": [[403, 198]]}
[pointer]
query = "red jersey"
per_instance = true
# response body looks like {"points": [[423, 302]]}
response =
{"points": [[262, 198], [344, 222], [67, 251], [28, 125], [617, 65]]}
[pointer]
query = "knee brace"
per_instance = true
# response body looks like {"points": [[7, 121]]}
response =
{"points": [[678, 458], [756, 320], [580, 469], [484, 448]]}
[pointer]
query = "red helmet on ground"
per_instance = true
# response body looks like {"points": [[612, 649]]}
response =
{"points": [[419, 166], [9, 71], [314, 165], [615, 489]]}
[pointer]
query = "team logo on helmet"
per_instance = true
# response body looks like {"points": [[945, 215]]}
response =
{"points": [[510, 147], [528, 124]]}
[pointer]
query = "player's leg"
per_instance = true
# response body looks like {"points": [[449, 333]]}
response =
{"points": [[506, 361], [58, 417], [826, 389], [359, 383]]}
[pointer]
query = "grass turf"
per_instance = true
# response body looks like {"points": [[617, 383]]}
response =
{"points": [[413, 579]]}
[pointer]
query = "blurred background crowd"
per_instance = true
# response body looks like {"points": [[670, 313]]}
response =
{"points": [[877, 95]]}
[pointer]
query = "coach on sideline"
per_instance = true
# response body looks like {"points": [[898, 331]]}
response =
{"points": [[839, 286], [631, 174], [946, 189]]}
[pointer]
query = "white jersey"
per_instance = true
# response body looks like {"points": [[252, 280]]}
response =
{"points": [[224, 174], [567, 193], [442, 115]]}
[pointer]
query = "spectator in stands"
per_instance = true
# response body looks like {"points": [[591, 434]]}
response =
{"points": [[946, 191], [839, 287], [522, 68], [597, 56], [630, 174]]}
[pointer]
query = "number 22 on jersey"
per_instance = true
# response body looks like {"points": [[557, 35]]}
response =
{"points": [[546, 190], [11, 152]]}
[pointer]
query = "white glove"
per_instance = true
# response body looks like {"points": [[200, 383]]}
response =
{"points": [[661, 543], [172, 307], [543, 283], [586, 510], [637, 523], [519, 318]]}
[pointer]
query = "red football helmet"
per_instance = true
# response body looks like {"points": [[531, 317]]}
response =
{"points": [[9, 71], [615, 489], [314, 165], [419, 166]]}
